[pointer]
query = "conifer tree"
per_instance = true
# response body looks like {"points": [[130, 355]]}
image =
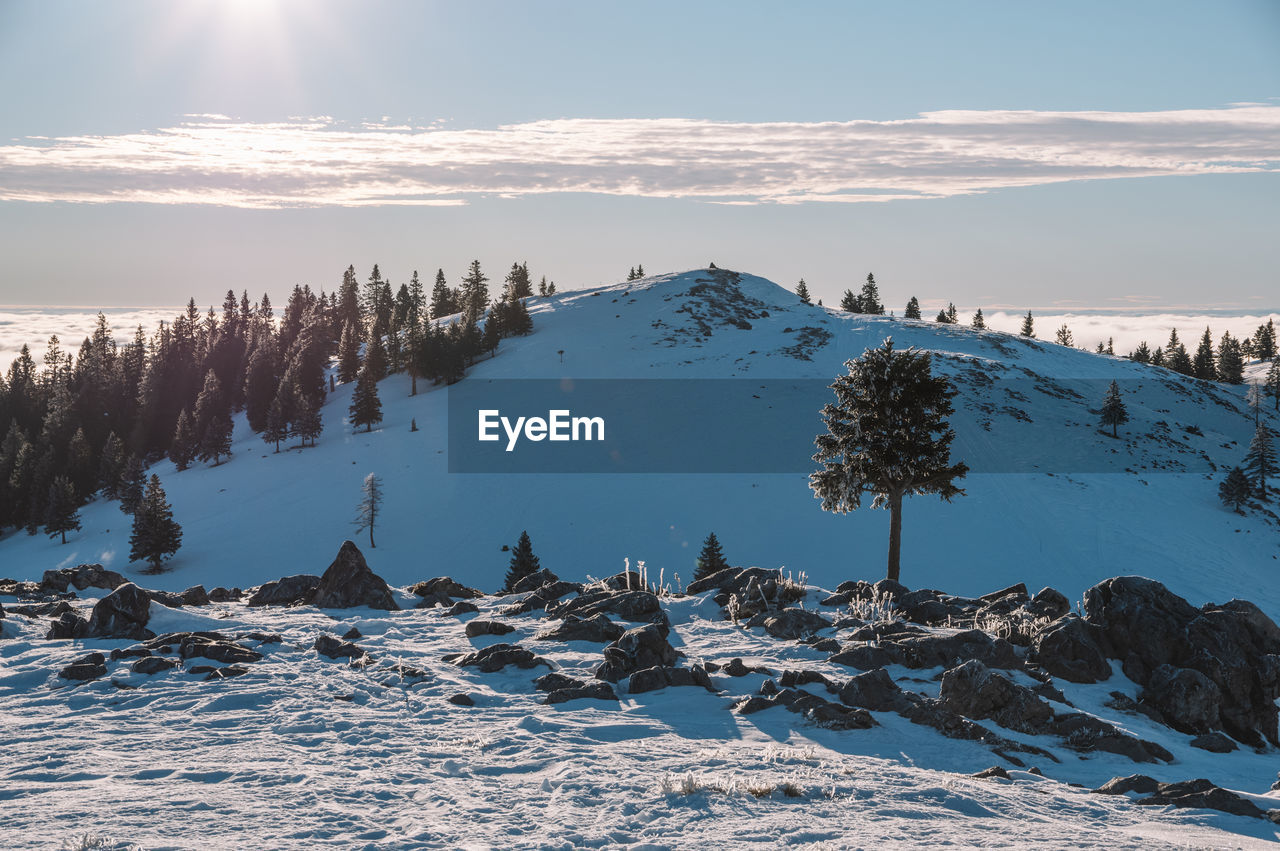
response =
{"points": [[1063, 337], [523, 562], [710, 558], [156, 535], [870, 298], [80, 466], [1028, 326], [639, 271], [133, 483], [1235, 490], [1202, 364], [1175, 355], [1230, 360], [277, 428], [185, 447], [307, 422], [261, 380], [953, 316], [1264, 341], [370, 506], [850, 302], [542, 286], [802, 290], [492, 330], [941, 318], [349, 354], [366, 408], [1260, 460], [475, 291], [887, 435], [442, 303], [375, 358], [913, 309], [1114, 413], [62, 514], [518, 283], [348, 299], [212, 421], [111, 467], [978, 321], [1142, 354], [1273, 382]]}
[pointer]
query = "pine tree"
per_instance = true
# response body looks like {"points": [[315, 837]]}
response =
{"points": [[1235, 490], [442, 303], [111, 467], [1064, 337], [639, 271], [710, 559], [133, 483], [492, 330], [185, 447], [1264, 341], [156, 535], [1203, 364], [212, 421], [62, 514], [1113, 410], [475, 291], [523, 562], [518, 283], [375, 358], [349, 353], [366, 408], [631, 274], [802, 290], [1142, 354], [953, 316], [913, 309], [941, 318], [1028, 326], [888, 435], [370, 506], [1260, 460], [542, 286], [1175, 355], [850, 302], [1230, 360], [80, 467], [978, 321], [1273, 382], [307, 422], [261, 380], [348, 299], [870, 298], [277, 428]]}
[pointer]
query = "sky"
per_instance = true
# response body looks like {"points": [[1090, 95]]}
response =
{"points": [[1063, 157]]}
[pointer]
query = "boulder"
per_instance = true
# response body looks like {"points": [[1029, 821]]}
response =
{"points": [[477, 628], [628, 605], [81, 577], [460, 608], [220, 673], [153, 665], [1214, 743], [652, 679], [1048, 603], [195, 596], [817, 710], [446, 586], [736, 668], [1018, 590], [219, 651], [286, 591], [1140, 783], [790, 623], [68, 625], [544, 597], [974, 691], [627, 580], [136, 651], [932, 651], [122, 614], [1071, 648], [1201, 794], [1085, 733], [875, 690], [580, 690], [228, 595], [732, 580], [573, 628], [498, 656], [995, 772], [637, 649], [166, 598], [461, 699], [1188, 700], [86, 668], [534, 581], [791, 679], [335, 648], [554, 681], [348, 583]]}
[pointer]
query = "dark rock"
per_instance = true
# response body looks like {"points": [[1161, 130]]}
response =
{"points": [[408, 672], [349, 583], [1048, 603], [1188, 700], [823, 645], [652, 679], [542, 598], [122, 614], [15, 588], [352, 634], [864, 657], [434, 601], [637, 649], [166, 598], [875, 690], [1201, 794], [994, 772], [819, 711], [153, 665], [81, 577], [228, 595], [791, 679], [327, 645], [1140, 783], [195, 596], [1214, 743], [1120, 700], [1072, 648], [931, 651], [1086, 733], [460, 608], [732, 580], [85, 668], [219, 651], [627, 580], [68, 625], [628, 605], [498, 656], [974, 691], [791, 623], [1019, 590], [884, 629], [225, 673], [573, 628], [461, 699], [532, 582], [477, 628], [594, 690], [446, 586], [837, 599], [888, 588], [286, 591], [136, 651], [554, 681], [736, 668], [262, 637]]}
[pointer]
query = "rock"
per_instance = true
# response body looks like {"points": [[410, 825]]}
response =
{"points": [[1019, 590], [1140, 783], [1048, 603], [86, 668], [791, 623], [286, 591], [460, 608], [875, 690], [974, 691], [594, 690], [1071, 648], [477, 628], [81, 577], [864, 657], [627, 580], [1214, 743], [348, 583], [573, 628], [819, 711], [497, 656], [122, 614], [992, 773], [228, 595], [652, 679], [461, 699], [1201, 794], [68, 625], [1188, 700], [225, 673], [327, 645], [434, 601], [736, 668], [628, 605], [136, 651], [219, 651], [166, 598], [542, 598], [446, 586], [637, 649], [195, 596], [927, 650], [1125, 703], [732, 580], [554, 681], [352, 634], [791, 679], [534, 581], [153, 665], [888, 588], [1086, 733]]}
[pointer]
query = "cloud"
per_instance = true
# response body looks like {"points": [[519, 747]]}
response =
{"points": [[309, 162], [1127, 329], [33, 327]]}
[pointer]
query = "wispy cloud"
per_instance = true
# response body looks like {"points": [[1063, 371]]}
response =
{"points": [[210, 159]]}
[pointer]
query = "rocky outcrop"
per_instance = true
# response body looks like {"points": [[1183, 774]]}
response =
{"points": [[81, 577], [1188, 700], [150, 665], [443, 585], [662, 676], [628, 605], [931, 651], [498, 656], [974, 691], [597, 628], [1072, 648], [68, 625], [348, 582], [460, 608], [122, 614], [286, 591], [562, 689], [86, 668], [637, 649], [817, 710], [1202, 794], [336, 648], [790, 623], [735, 667]]}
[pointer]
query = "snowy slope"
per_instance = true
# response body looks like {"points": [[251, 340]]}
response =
{"points": [[1049, 516]]}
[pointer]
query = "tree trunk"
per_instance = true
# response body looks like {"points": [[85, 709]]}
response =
{"points": [[372, 545], [1114, 428], [413, 386], [895, 534]]}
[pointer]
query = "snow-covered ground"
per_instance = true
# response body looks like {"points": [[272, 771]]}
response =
{"points": [[304, 751]]}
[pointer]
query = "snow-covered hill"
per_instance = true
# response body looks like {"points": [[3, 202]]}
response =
{"points": [[1060, 503]]}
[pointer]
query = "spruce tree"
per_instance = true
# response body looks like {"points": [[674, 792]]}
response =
{"points": [[1260, 460], [442, 303], [978, 321], [277, 427], [307, 422], [1264, 341], [80, 466], [870, 298], [261, 380], [62, 514], [133, 483], [1114, 413], [887, 435], [492, 329], [349, 353], [802, 290], [1175, 355], [1235, 490], [156, 535], [185, 447], [850, 302], [1063, 337], [953, 316], [523, 562], [639, 271], [913, 309], [366, 408], [1230, 360], [710, 559], [1142, 354], [1028, 326], [941, 318], [375, 358], [212, 421], [111, 466], [475, 291], [1202, 364], [369, 507], [1273, 382]]}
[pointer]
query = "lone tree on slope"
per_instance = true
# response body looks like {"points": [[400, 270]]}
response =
{"points": [[156, 535], [888, 435], [802, 290], [370, 506], [523, 562], [710, 559], [1028, 326], [1113, 410], [1260, 461], [1235, 489]]}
